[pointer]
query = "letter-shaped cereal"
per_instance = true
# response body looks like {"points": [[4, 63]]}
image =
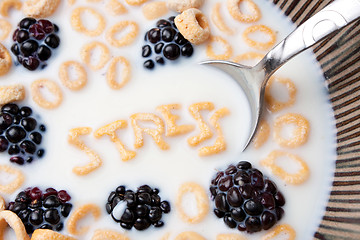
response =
{"points": [[281, 229], [9, 218], [205, 131], [47, 234], [108, 235]]}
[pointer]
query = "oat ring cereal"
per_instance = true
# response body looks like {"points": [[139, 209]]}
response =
{"points": [[16, 183], [5, 6], [182, 5], [275, 105], [225, 44], [257, 44], [202, 202], [193, 25], [218, 20], [189, 236], [5, 28], [154, 10], [262, 134], [291, 178], [300, 133], [11, 93], [108, 235], [115, 7], [230, 236], [283, 229], [81, 75], [40, 8], [39, 98], [112, 72], [5, 60], [9, 218], [135, 2], [87, 52], [234, 10], [2, 204], [80, 213], [248, 56], [125, 40], [46, 234], [79, 26]]}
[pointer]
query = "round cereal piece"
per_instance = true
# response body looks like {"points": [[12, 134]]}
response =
{"points": [[115, 7], [5, 28], [80, 213], [125, 40], [125, 74], [275, 105], [135, 2], [5, 60], [9, 218], [11, 93], [39, 98], [2, 204], [300, 133], [248, 56], [230, 236], [16, 183], [281, 230], [182, 5], [258, 44], [86, 53], [218, 20], [234, 10], [108, 235], [189, 236], [47, 234], [154, 10], [262, 134], [291, 178], [78, 25], [5, 6], [40, 8], [81, 75], [202, 202], [193, 25], [225, 44]]}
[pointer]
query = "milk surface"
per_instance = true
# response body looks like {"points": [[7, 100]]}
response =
{"points": [[184, 82]]}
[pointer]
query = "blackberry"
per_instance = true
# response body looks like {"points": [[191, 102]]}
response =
{"points": [[139, 209], [245, 199], [164, 41], [41, 209], [20, 134], [33, 41]]}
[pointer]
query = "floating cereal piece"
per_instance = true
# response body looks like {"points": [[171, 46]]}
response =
{"points": [[218, 20], [202, 203], [156, 134], [172, 129], [300, 133], [79, 26], [234, 10], [5, 6], [81, 75], [110, 130], [189, 236], [291, 178], [71, 2], [230, 236], [283, 229], [182, 5], [135, 2], [80, 213], [220, 143], [112, 72], [193, 25], [275, 105], [227, 49], [125, 40], [115, 7], [205, 131], [52, 87], [248, 56], [16, 183], [2, 204], [5, 28], [40, 8], [258, 44], [108, 235], [86, 53], [262, 134], [47, 234], [5, 60], [154, 10], [95, 163], [9, 218], [11, 93]]}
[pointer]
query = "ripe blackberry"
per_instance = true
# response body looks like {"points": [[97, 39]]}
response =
{"points": [[38, 209], [20, 134], [33, 41], [165, 42], [139, 209], [245, 199]]}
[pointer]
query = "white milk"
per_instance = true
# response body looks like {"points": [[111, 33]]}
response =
{"points": [[184, 83]]}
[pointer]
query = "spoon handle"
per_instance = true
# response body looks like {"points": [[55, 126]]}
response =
{"points": [[333, 17]]}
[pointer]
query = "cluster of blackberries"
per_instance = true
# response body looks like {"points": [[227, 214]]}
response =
{"points": [[139, 209], [44, 210], [34, 40], [165, 41], [20, 134], [245, 199]]}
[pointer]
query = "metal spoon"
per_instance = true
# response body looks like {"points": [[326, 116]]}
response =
{"points": [[253, 79]]}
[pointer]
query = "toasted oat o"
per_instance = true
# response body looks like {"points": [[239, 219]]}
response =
{"points": [[46, 234], [2, 204], [182, 5], [108, 235], [154, 10], [5, 60], [5, 28], [11, 93], [5, 6], [40, 8]]}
